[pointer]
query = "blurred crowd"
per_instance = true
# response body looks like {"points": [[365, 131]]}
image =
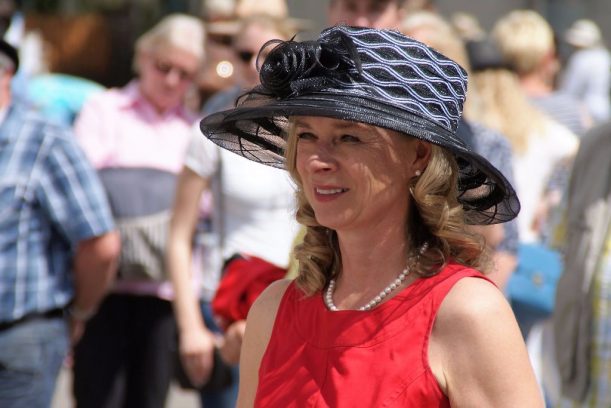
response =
{"points": [[131, 247]]}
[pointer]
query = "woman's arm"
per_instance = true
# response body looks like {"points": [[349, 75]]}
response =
{"points": [[196, 342], [476, 350], [259, 327]]}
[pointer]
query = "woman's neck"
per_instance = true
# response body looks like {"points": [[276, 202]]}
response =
{"points": [[370, 262]]}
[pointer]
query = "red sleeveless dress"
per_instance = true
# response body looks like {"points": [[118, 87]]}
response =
{"points": [[351, 359]]}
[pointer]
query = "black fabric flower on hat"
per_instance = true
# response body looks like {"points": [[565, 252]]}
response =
{"points": [[292, 67]]}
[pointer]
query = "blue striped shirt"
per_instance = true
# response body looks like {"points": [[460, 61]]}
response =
{"points": [[494, 147], [50, 199]]}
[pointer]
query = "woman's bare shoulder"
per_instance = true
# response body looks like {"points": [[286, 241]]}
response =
{"points": [[272, 295], [478, 350], [263, 312], [259, 326], [473, 298]]}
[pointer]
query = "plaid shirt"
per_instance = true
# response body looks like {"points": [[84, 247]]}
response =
{"points": [[50, 199]]}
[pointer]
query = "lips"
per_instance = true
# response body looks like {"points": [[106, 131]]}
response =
{"points": [[328, 193]]}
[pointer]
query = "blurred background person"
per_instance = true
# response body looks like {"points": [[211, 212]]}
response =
{"points": [[588, 72], [57, 97], [366, 13], [431, 29], [526, 41], [583, 301], [224, 20], [252, 33], [467, 26], [136, 137], [60, 97], [252, 218], [29, 43], [540, 147], [58, 248], [539, 144]]}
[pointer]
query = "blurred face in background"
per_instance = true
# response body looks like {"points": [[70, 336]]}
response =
{"points": [[246, 47], [165, 76], [7, 71], [365, 13]]}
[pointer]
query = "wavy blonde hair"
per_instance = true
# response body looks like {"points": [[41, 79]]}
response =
{"points": [[435, 218]]}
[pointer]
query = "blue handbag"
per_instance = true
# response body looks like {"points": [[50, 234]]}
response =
{"points": [[533, 283]]}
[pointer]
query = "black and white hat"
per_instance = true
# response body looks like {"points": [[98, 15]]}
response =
{"points": [[372, 76]]}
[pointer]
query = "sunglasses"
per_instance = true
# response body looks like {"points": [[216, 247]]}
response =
{"points": [[245, 56], [164, 68]]}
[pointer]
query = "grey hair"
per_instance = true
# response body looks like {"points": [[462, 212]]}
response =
{"points": [[180, 31]]}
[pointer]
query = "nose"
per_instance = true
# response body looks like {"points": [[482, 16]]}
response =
{"points": [[173, 77], [362, 20], [323, 159]]}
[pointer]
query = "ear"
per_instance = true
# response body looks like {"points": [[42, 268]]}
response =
{"points": [[139, 59], [423, 155]]}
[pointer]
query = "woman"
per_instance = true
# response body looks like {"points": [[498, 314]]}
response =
{"points": [[252, 218], [542, 148], [136, 137], [387, 309]]}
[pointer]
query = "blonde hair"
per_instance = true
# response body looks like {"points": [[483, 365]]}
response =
{"points": [[504, 107], [467, 26], [524, 39], [177, 31], [436, 218]]}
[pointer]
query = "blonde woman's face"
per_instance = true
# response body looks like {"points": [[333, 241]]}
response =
{"points": [[246, 48], [166, 75], [355, 176]]}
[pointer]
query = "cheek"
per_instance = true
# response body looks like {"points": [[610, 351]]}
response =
{"points": [[388, 19], [300, 164]]}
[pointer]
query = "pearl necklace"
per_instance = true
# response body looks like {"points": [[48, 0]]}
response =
{"points": [[375, 301]]}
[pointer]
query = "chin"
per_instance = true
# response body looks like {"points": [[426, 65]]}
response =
{"points": [[330, 221]]}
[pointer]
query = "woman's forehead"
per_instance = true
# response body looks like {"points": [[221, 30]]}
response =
{"points": [[321, 122]]}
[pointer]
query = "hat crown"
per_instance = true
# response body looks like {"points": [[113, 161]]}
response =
{"points": [[376, 64]]}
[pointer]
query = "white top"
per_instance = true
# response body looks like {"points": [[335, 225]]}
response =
{"points": [[588, 78], [253, 206], [533, 169]]}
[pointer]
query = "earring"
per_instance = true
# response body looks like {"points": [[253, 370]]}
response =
{"points": [[418, 173]]}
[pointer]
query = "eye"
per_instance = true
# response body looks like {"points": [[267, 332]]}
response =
{"points": [[349, 139], [305, 136]]}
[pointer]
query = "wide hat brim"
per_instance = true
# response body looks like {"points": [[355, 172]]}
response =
{"points": [[257, 129]]}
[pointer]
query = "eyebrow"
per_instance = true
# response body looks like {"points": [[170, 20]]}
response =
{"points": [[341, 125]]}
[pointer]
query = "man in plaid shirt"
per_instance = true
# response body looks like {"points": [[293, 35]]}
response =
{"points": [[57, 246]]}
